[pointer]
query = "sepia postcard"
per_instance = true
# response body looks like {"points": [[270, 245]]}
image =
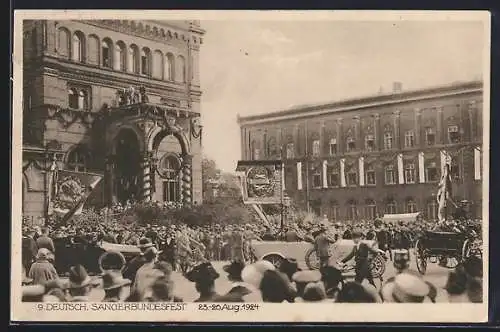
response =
{"points": [[250, 166]]}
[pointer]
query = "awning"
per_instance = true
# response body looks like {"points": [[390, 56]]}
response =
{"points": [[392, 218]]}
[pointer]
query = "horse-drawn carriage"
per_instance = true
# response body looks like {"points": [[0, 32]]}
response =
{"points": [[447, 248], [276, 251]]}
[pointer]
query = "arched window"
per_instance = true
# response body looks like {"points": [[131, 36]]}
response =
{"points": [[370, 209], [170, 169], [120, 56], [432, 210], [351, 144], [133, 59], [73, 98], [145, 61], [93, 50], [352, 210], [169, 68], [63, 42], [181, 69], [78, 47], [391, 207], [82, 100], [411, 206], [106, 52], [77, 160], [158, 64]]}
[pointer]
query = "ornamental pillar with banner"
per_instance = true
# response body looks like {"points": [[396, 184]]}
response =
{"points": [[186, 179], [146, 176]]}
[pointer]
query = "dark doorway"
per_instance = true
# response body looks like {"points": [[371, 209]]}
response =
{"points": [[128, 167]]}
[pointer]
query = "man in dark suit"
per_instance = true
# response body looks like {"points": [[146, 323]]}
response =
{"points": [[361, 256]]}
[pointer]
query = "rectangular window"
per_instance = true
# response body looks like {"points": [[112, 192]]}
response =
{"points": [[170, 191], [351, 144], [316, 148], [332, 177], [409, 139], [431, 172], [370, 177], [290, 151], [369, 143], [317, 180], [390, 175], [352, 179], [334, 211], [387, 141], [333, 147], [430, 136], [410, 173], [453, 134], [454, 169]]}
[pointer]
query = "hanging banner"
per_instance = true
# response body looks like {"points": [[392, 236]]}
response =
{"points": [[261, 181]]}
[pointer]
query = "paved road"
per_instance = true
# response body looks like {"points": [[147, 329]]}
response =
{"points": [[435, 274]]}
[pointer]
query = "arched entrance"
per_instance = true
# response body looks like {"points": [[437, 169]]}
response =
{"points": [[127, 171]]}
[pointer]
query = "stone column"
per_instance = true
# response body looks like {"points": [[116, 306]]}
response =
{"points": [[397, 136], [186, 180], [418, 126], [340, 143], [146, 176], [110, 180], [439, 130], [376, 131], [472, 123]]}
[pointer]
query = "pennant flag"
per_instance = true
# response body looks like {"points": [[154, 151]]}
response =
{"points": [[72, 191], [444, 190]]}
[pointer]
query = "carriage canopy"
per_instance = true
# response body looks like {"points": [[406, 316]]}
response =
{"points": [[405, 217]]}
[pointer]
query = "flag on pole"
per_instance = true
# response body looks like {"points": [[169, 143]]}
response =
{"points": [[72, 192], [444, 189]]}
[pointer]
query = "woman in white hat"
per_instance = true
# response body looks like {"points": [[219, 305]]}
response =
{"points": [[42, 270]]}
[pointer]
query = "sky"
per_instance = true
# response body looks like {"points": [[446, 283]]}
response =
{"points": [[254, 67]]}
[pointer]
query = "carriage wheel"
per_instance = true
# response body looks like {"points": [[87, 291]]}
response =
{"points": [[377, 267], [420, 258], [275, 259], [312, 259], [466, 250]]}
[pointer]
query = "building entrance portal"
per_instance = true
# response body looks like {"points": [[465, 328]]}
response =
{"points": [[127, 175]]}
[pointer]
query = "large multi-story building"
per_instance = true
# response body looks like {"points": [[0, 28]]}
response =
{"points": [[358, 158], [119, 98]]}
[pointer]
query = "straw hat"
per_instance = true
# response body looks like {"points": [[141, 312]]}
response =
{"points": [[112, 280], [406, 288], [78, 277]]}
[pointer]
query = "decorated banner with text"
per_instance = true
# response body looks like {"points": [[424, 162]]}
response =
{"points": [[261, 181]]}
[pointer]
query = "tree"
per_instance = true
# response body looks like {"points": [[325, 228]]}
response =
{"points": [[219, 186]]}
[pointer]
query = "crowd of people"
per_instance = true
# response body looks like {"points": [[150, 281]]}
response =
{"points": [[190, 251]]}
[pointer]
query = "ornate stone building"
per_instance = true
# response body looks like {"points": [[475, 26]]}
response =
{"points": [[358, 158], [121, 98]]}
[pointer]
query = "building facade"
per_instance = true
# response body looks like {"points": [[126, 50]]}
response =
{"points": [[359, 158], [118, 98]]}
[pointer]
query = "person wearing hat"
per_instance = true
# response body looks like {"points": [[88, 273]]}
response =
{"points": [[80, 284], [322, 244], [113, 284], [42, 270], [406, 288], [313, 292], [131, 268], [204, 276], [289, 266], [276, 288], [29, 248], [332, 279], [302, 278], [360, 252], [146, 273], [353, 292]]}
